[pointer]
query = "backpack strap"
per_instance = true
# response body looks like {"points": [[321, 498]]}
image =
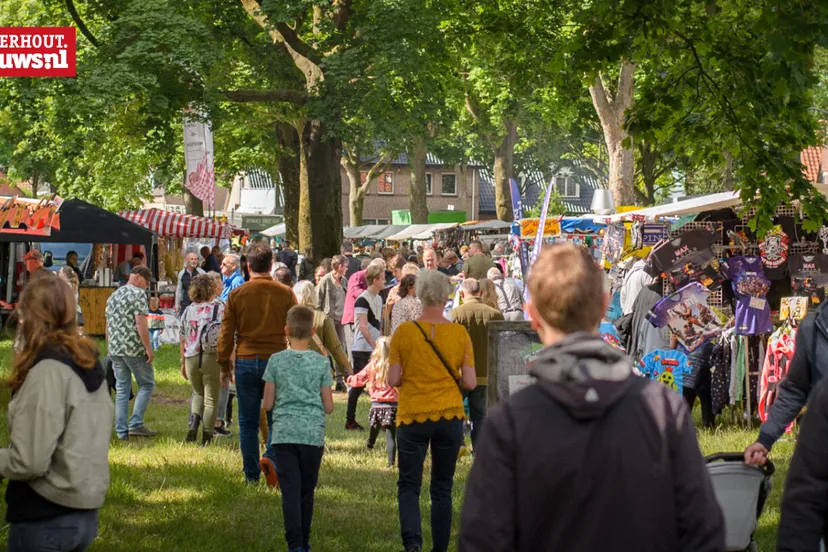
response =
{"points": [[201, 334]]}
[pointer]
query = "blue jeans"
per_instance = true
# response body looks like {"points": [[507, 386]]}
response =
{"points": [[445, 438], [70, 533], [125, 368], [155, 339], [249, 393], [477, 411]]}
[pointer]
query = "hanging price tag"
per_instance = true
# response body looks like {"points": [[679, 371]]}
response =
{"points": [[793, 308]]}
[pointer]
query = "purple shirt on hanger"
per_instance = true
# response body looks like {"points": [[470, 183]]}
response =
{"points": [[751, 286]]}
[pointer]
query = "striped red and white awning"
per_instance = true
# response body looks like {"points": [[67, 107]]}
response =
{"points": [[167, 224]]}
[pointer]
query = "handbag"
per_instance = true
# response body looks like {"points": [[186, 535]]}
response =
{"points": [[442, 360]]}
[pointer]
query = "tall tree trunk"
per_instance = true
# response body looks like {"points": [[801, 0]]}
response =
{"points": [[356, 196], [648, 172], [289, 169], [192, 205], [727, 178], [417, 201], [324, 186], [503, 171], [611, 113]]}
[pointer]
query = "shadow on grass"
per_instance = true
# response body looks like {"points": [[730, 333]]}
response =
{"points": [[203, 506]]}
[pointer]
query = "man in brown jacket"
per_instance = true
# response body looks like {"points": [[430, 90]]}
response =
{"points": [[254, 327], [475, 316]]}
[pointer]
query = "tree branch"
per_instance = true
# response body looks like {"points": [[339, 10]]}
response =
{"points": [[292, 39], [343, 13], [70, 5], [311, 70], [474, 111], [379, 167], [267, 96]]}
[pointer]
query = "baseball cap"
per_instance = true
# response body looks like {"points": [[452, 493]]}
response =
{"points": [[143, 272], [33, 255]]}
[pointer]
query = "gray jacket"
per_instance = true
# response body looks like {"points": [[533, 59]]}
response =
{"points": [[808, 366], [327, 294], [60, 422]]}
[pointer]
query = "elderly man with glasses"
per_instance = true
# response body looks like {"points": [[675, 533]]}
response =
{"points": [[231, 274]]}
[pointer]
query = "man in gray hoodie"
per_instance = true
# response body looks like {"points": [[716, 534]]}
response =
{"points": [[590, 457]]}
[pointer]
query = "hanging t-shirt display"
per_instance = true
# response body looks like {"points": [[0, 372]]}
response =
{"points": [[774, 250], [613, 245], [751, 286], [809, 276], [667, 367], [823, 237], [687, 314], [687, 258]]}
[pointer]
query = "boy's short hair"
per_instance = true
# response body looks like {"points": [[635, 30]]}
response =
{"points": [[373, 272], [566, 287], [300, 322]]}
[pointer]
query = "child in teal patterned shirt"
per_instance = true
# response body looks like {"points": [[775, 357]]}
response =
{"points": [[298, 389]]}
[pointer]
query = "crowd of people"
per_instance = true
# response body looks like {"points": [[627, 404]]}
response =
{"points": [[279, 333]]}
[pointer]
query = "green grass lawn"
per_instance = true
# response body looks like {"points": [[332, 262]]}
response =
{"points": [[169, 496]]}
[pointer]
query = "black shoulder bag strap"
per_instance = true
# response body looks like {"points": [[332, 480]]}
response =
{"points": [[437, 352], [201, 335]]}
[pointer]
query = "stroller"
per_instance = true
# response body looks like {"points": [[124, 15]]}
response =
{"points": [[741, 492]]}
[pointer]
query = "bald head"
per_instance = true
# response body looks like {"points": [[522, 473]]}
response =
{"points": [[430, 259]]}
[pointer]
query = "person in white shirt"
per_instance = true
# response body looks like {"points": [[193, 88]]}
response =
{"points": [[509, 298]]}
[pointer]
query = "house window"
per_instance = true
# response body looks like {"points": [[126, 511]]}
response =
{"points": [[385, 184], [449, 182], [566, 187], [429, 189]]}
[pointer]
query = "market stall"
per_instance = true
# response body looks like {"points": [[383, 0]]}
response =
{"points": [[79, 222], [724, 293]]}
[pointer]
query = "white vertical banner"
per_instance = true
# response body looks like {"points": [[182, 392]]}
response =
{"points": [[198, 155]]}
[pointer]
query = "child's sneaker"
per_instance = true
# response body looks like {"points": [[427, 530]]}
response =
{"points": [[269, 472], [369, 445]]}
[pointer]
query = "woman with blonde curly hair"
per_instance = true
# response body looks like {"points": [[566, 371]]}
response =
{"points": [[60, 420]]}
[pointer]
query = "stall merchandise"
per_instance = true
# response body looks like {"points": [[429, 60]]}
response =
{"points": [[666, 366]]}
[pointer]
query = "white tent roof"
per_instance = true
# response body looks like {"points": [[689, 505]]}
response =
{"points": [[710, 202], [276, 230], [420, 231]]}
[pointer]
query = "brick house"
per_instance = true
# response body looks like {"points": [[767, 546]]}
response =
{"points": [[447, 188], [471, 190]]}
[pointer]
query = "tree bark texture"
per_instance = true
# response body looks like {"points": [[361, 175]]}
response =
{"points": [[417, 199], [648, 172], [727, 178], [503, 171], [611, 112], [356, 195], [324, 192], [192, 205], [289, 169]]}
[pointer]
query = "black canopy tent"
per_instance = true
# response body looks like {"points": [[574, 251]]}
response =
{"points": [[82, 222]]}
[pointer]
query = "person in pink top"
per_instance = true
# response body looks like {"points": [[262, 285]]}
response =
{"points": [[356, 285], [384, 398]]}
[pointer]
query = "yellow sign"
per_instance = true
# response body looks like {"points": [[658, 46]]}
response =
{"points": [[529, 228], [793, 308]]}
